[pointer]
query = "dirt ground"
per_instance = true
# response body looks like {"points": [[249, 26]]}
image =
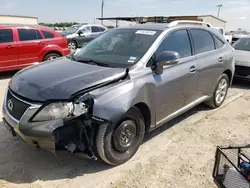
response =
{"points": [[179, 154]]}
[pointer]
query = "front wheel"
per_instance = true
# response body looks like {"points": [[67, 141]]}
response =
{"points": [[220, 92], [117, 143], [72, 45]]}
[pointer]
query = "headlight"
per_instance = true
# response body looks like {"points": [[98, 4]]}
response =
{"points": [[61, 110]]}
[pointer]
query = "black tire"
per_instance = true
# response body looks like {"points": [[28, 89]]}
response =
{"points": [[109, 147], [72, 45], [213, 102], [51, 56]]}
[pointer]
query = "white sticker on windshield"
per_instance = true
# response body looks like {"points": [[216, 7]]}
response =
{"points": [[145, 32], [132, 58], [131, 61]]}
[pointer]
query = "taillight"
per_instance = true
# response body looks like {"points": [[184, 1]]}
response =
{"points": [[65, 41]]}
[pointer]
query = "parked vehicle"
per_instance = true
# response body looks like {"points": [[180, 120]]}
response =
{"points": [[236, 35], [78, 35], [22, 46], [228, 37], [242, 57], [218, 29], [125, 83]]}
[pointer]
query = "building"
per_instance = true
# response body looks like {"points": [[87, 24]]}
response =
{"points": [[13, 19], [217, 22]]}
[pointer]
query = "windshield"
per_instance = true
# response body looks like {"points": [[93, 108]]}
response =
{"points": [[242, 44], [71, 30], [118, 47]]}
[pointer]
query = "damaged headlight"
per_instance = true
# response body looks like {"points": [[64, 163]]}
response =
{"points": [[61, 110]]}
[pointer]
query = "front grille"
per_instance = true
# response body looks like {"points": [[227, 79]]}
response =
{"points": [[15, 107], [242, 71]]}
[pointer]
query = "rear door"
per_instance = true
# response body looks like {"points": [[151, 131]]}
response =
{"points": [[29, 45], [8, 50], [210, 66], [95, 32]]}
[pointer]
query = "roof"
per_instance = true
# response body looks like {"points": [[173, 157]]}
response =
{"points": [[155, 18], [19, 16], [24, 25], [151, 26]]}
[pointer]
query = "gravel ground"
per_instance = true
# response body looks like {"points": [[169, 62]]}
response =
{"points": [[179, 154]]}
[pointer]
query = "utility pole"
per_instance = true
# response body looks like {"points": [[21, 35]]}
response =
{"points": [[102, 11], [219, 6]]}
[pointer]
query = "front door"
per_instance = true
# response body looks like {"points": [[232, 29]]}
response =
{"points": [[29, 45], [176, 87], [8, 50], [85, 37]]}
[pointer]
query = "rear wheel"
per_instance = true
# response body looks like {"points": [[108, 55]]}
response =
{"points": [[220, 92], [51, 56], [117, 143]]}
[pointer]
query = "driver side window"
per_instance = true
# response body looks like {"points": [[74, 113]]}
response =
{"points": [[177, 41], [85, 30]]}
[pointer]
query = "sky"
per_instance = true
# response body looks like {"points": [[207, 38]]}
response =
{"points": [[235, 12]]}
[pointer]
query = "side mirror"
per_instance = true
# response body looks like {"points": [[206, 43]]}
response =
{"points": [[79, 32], [166, 58]]}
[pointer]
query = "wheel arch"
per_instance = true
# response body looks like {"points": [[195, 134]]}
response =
{"points": [[229, 74], [50, 52], [143, 107]]}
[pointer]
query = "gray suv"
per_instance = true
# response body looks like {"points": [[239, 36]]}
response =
{"points": [[104, 98], [78, 35]]}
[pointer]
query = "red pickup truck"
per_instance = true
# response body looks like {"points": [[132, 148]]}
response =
{"points": [[22, 46]]}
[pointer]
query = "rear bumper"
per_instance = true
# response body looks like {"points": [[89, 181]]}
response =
{"points": [[66, 51]]}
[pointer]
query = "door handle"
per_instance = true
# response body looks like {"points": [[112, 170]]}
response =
{"points": [[10, 46], [192, 69], [221, 59]]}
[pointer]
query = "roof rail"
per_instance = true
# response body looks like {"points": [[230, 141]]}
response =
{"points": [[177, 22]]}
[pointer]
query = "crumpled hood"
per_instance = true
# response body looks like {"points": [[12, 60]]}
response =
{"points": [[60, 79], [242, 57]]}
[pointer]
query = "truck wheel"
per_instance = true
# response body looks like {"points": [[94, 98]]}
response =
{"points": [[51, 56], [72, 45], [117, 143], [220, 92]]}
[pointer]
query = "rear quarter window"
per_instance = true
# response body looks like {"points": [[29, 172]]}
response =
{"points": [[48, 35]]}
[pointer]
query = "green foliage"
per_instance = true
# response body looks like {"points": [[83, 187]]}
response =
{"points": [[61, 24]]}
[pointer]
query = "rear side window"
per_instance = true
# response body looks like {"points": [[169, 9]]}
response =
{"points": [[102, 29], [6, 35], [29, 34], [95, 29], [203, 41], [48, 35], [177, 41], [218, 42]]}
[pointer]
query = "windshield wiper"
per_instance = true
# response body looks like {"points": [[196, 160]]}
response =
{"points": [[92, 62]]}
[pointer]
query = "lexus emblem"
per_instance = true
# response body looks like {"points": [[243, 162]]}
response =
{"points": [[10, 104]]}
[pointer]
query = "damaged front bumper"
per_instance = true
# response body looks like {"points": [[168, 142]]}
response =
{"points": [[75, 135]]}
